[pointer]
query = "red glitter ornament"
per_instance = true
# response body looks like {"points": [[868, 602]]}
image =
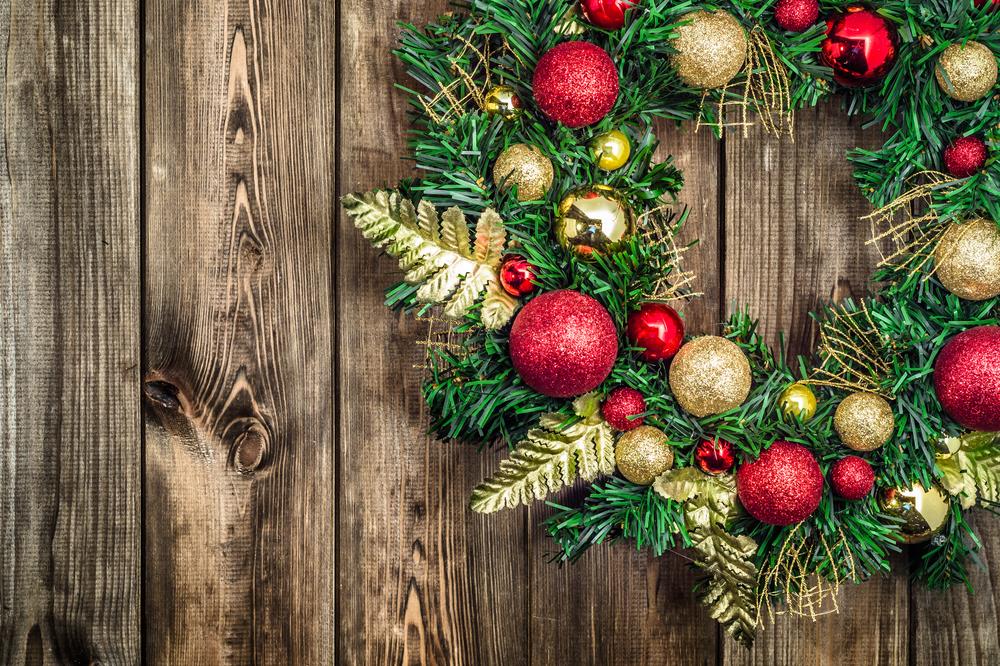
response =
{"points": [[575, 83], [658, 329], [967, 378], [783, 486], [715, 456], [796, 15], [605, 14], [517, 276], [994, 3], [852, 477], [860, 46], [965, 157], [621, 404], [563, 343]]}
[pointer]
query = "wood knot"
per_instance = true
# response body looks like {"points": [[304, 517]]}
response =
{"points": [[249, 450], [162, 394]]}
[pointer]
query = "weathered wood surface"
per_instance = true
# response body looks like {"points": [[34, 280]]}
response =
{"points": [[213, 443]]}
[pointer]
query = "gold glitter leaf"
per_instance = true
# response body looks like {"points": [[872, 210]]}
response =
{"points": [[498, 307], [972, 471]]}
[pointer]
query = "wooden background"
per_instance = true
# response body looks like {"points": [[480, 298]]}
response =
{"points": [[211, 431]]}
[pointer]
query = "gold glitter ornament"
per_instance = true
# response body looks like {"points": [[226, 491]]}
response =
{"points": [[924, 512], [594, 220], [711, 49], [526, 167], [710, 375], [967, 260], [966, 72], [864, 421], [503, 101], [611, 150], [798, 400], [643, 454]]}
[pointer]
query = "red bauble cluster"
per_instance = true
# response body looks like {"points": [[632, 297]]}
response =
{"points": [[852, 478], [517, 276], [965, 157], [658, 329], [606, 14], [563, 344], [621, 405], [860, 47], [796, 15], [967, 378], [715, 456], [783, 486], [575, 83]]}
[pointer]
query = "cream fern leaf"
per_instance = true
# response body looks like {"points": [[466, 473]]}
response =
{"points": [[498, 307], [971, 470]]}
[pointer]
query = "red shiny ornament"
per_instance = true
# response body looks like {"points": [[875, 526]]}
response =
{"points": [[605, 14], [575, 83], [622, 404], [783, 486], [517, 276], [658, 329], [563, 343], [715, 456], [967, 378], [852, 477], [796, 15], [860, 46], [965, 157]]}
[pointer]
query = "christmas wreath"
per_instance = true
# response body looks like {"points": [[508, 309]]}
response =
{"points": [[544, 234]]}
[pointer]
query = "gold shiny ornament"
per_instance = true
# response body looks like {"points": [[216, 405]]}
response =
{"points": [[864, 421], [967, 260], [924, 511], [643, 454], [503, 101], [526, 167], [611, 150], [711, 49], [594, 220], [710, 375], [967, 72], [798, 400]]}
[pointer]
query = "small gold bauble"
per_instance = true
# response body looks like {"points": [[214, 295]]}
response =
{"points": [[503, 101], [526, 167], [594, 220], [611, 150], [643, 454], [924, 511], [798, 400], [967, 72], [710, 375], [711, 49], [967, 260], [864, 421]]}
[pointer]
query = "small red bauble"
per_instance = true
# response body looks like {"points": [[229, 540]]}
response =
{"points": [[967, 378], [563, 343], [965, 157], [783, 486], [796, 15], [620, 405], [852, 478], [715, 456], [860, 46], [605, 14], [575, 83], [517, 276], [658, 329], [994, 3]]}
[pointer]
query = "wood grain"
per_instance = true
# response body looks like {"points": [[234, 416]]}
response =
{"points": [[240, 99], [69, 333]]}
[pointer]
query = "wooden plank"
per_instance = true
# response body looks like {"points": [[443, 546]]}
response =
{"points": [[793, 238], [240, 102], [422, 579], [70, 454]]}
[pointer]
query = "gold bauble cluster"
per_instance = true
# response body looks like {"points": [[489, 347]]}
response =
{"points": [[967, 260], [798, 401], [711, 49], [967, 72], [864, 421], [643, 454], [594, 220], [528, 168], [924, 511], [710, 375]]}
